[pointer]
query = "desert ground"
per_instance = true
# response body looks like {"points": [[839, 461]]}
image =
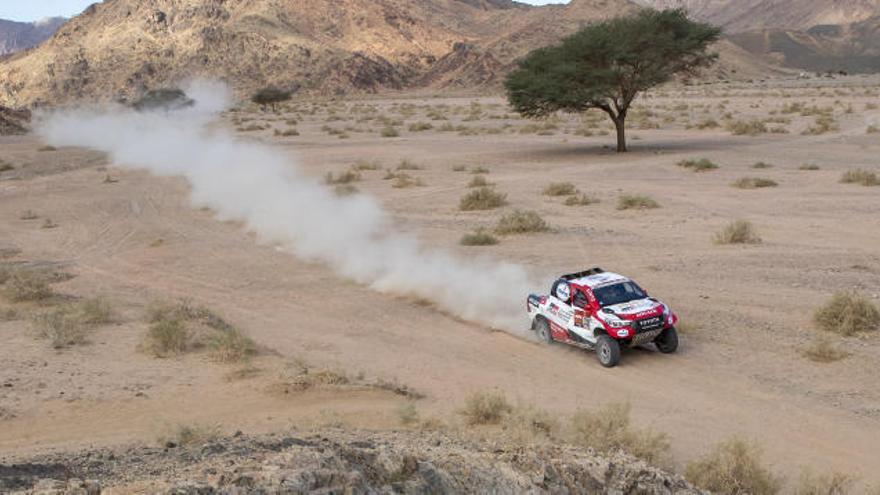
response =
{"points": [[747, 309]]}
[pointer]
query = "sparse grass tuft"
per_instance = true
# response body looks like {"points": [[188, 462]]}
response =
{"points": [[95, 311], [809, 167], [580, 200], [363, 165], [389, 132], [485, 408], [478, 238], [733, 467], [848, 313], [701, 165], [420, 126], [753, 183], [560, 189], [403, 181], [479, 181], [826, 484], [747, 127], [458, 168], [823, 351], [483, 198], [608, 429], [737, 232], [27, 285], [167, 337], [762, 165], [526, 423], [191, 435], [408, 414], [479, 170], [346, 177], [60, 327], [408, 165], [860, 176], [636, 201], [231, 347], [28, 215], [521, 222]]}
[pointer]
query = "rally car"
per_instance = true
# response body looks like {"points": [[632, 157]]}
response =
{"points": [[602, 311]]}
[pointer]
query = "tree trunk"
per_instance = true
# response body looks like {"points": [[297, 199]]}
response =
{"points": [[620, 124]]}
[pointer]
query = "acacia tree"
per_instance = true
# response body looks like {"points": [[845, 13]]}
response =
{"points": [[270, 96], [607, 64]]}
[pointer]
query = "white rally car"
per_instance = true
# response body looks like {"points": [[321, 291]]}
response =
{"points": [[602, 311]]}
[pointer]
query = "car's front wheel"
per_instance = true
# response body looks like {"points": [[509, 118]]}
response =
{"points": [[667, 341], [542, 329], [607, 351]]}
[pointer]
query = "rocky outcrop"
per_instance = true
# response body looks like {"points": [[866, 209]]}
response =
{"points": [[343, 462]]}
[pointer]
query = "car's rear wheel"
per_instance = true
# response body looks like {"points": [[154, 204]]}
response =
{"points": [[542, 330], [667, 341], [607, 351]]}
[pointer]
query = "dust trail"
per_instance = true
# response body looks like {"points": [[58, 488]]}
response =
{"points": [[258, 185]]}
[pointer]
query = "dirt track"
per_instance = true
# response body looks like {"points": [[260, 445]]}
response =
{"points": [[740, 370]]}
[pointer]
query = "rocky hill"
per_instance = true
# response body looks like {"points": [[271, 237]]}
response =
{"points": [[119, 48], [336, 461], [18, 36], [747, 15]]}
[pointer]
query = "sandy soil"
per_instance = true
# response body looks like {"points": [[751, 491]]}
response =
{"points": [[748, 309]]}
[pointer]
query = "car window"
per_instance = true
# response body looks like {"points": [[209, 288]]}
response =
{"points": [[618, 293], [579, 299]]}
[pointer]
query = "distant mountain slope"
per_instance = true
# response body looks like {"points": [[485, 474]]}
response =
{"points": [[746, 15], [119, 48], [17, 36]]}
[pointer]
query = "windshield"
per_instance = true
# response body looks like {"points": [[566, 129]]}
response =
{"points": [[618, 293]]}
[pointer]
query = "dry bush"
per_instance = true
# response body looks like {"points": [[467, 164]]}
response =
{"points": [[753, 183], [301, 378], [733, 467], [6, 167], [346, 177], [822, 125], [479, 170], [762, 165], [167, 337], [345, 190], [483, 198], [636, 201], [190, 435], [747, 127], [459, 168], [420, 126], [403, 181], [707, 124], [825, 484], [560, 189], [362, 165], [231, 347], [95, 311], [60, 327], [478, 238], [28, 215], [485, 408], [27, 285], [860, 176], [187, 311], [701, 165], [286, 132], [580, 200], [848, 313], [521, 222], [872, 129], [48, 224], [408, 414], [389, 132], [479, 181], [408, 165], [525, 424], [823, 351], [47, 147], [608, 429], [737, 232], [809, 167], [252, 128]]}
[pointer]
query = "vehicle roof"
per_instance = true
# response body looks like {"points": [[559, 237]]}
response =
{"points": [[600, 279]]}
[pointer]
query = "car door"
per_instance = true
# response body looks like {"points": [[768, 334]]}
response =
{"points": [[559, 310]]}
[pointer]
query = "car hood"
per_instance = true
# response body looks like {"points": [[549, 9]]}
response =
{"points": [[632, 310]]}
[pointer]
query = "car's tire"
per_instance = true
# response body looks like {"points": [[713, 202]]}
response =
{"points": [[667, 341], [607, 351], [542, 330]]}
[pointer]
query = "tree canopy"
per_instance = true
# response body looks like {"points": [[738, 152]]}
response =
{"points": [[607, 64], [270, 96]]}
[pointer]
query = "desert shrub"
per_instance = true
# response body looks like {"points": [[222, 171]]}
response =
{"points": [[479, 170], [826, 484], [420, 126], [363, 165], [526, 423], [231, 347], [483, 198], [560, 189], [408, 165], [580, 200], [270, 97], [701, 165], [521, 222], [27, 285], [636, 201], [190, 435], [252, 128], [403, 181], [762, 165], [733, 467], [28, 215], [47, 147], [478, 238], [408, 414], [6, 167], [479, 181], [48, 224], [346, 177], [823, 351], [286, 132], [860, 176], [167, 337], [848, 313], [747, 127], [737, 232], [60, 327], [389, 132], [166, 99], [485, 408], [872, 129], [95, 311], [809, 167], [458, 168], [823, 124], [608, 429], [753, 183]]}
